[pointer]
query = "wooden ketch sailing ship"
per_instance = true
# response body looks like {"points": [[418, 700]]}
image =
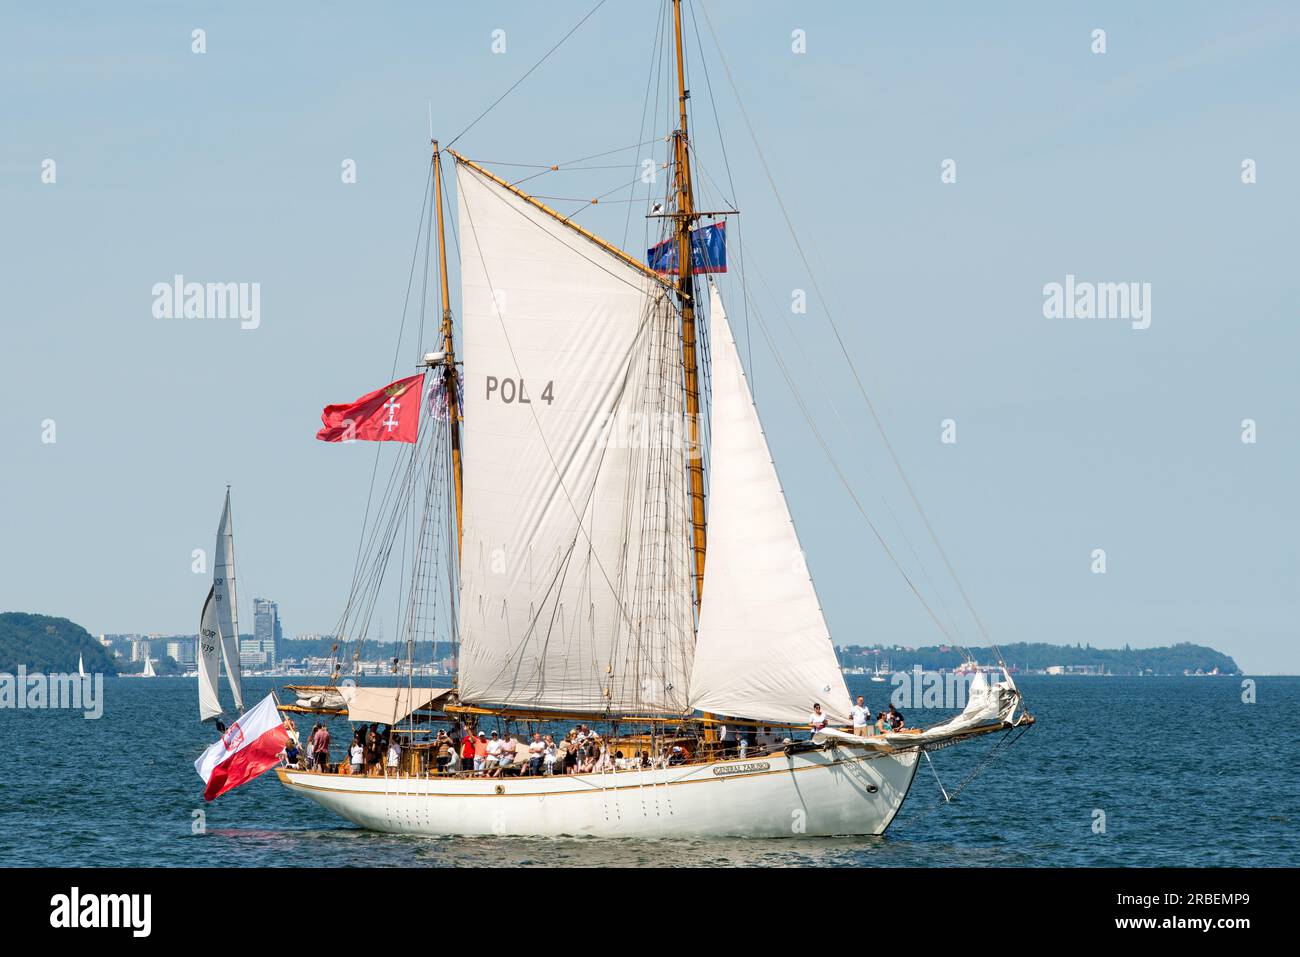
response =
{"points": [[590, 581]]}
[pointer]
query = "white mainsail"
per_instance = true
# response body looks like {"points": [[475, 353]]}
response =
{"points": [[81, 666], [148, 669], [226, 601], [208, 661], [575, 587], [764, 650]]}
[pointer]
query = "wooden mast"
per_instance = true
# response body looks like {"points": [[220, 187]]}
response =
{"points": [[684, 218], [449, 351]]}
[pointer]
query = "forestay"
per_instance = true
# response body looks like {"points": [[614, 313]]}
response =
{"points": [[575, 587], [764, 650]]}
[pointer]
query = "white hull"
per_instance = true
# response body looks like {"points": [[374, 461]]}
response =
{"points": [[816, 793]]}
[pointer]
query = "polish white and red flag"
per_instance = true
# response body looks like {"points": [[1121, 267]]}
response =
{"points": [[250, 746]]}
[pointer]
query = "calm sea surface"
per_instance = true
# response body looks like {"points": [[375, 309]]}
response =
{"points": [[1185, 772]]}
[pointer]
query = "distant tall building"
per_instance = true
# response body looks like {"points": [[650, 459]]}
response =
{"points": [[140, 649], [266, 630], [182, 651]]}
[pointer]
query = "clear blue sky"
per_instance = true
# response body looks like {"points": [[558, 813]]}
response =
{"points": [[1072, 435]]}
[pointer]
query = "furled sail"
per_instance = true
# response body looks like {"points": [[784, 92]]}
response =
{"points": [[208, 661], [227, 603], [575, 583], [764, 651]]}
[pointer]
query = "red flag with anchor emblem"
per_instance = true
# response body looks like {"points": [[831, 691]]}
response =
{"points": [[390, 414]]}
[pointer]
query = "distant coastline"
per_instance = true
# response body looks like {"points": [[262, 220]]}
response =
{"points": [[1040, 658], [47, 643]]}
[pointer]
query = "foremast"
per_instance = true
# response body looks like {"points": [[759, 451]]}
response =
{"points": [[448, 362]]}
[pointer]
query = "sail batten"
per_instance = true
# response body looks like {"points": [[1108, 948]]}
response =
{"points": [[763, 650], [574, 594]]}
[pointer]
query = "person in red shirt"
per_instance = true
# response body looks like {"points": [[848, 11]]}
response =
{"points": [[467, 750], [320, 746]]}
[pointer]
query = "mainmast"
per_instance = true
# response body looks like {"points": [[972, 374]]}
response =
{"points": [[448, 349], [684, 217]]}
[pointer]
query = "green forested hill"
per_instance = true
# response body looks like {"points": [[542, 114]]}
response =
{"points": [[46, 644]]}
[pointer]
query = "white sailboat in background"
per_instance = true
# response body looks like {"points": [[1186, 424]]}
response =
{"points": [[148, 671], [578, 559], [81, 666], [218, 638]]}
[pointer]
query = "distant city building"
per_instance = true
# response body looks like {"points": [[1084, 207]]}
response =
{"points": [[139, 649], [266, 629], [255, 653], [182, 652]]}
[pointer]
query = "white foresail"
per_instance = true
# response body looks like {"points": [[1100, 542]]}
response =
{"points": [[764, 650], [209, 661], [226, 601], [575, 587]]}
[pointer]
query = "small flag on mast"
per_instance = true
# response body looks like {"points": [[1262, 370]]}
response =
{"points": [[708, 251], [390, 414]]}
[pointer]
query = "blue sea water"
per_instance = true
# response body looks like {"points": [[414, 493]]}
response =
{"points": [[1184, 771]]}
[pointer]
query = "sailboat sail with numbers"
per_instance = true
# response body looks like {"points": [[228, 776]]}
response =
{"points": [[617, 550]]}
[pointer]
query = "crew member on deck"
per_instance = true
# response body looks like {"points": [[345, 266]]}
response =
{"points": [[817, 720], [861, 718], [895, 719]]}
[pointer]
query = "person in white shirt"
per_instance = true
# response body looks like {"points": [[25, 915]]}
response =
{"points": [[861, 715], [358, 754], [509, 751], [495, 745], [394, 755], [818, 719], [548, 754], [536, 749]]}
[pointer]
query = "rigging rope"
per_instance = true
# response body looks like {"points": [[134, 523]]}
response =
{"points": [[544, 58], [843, 348], [1003, 745]]}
